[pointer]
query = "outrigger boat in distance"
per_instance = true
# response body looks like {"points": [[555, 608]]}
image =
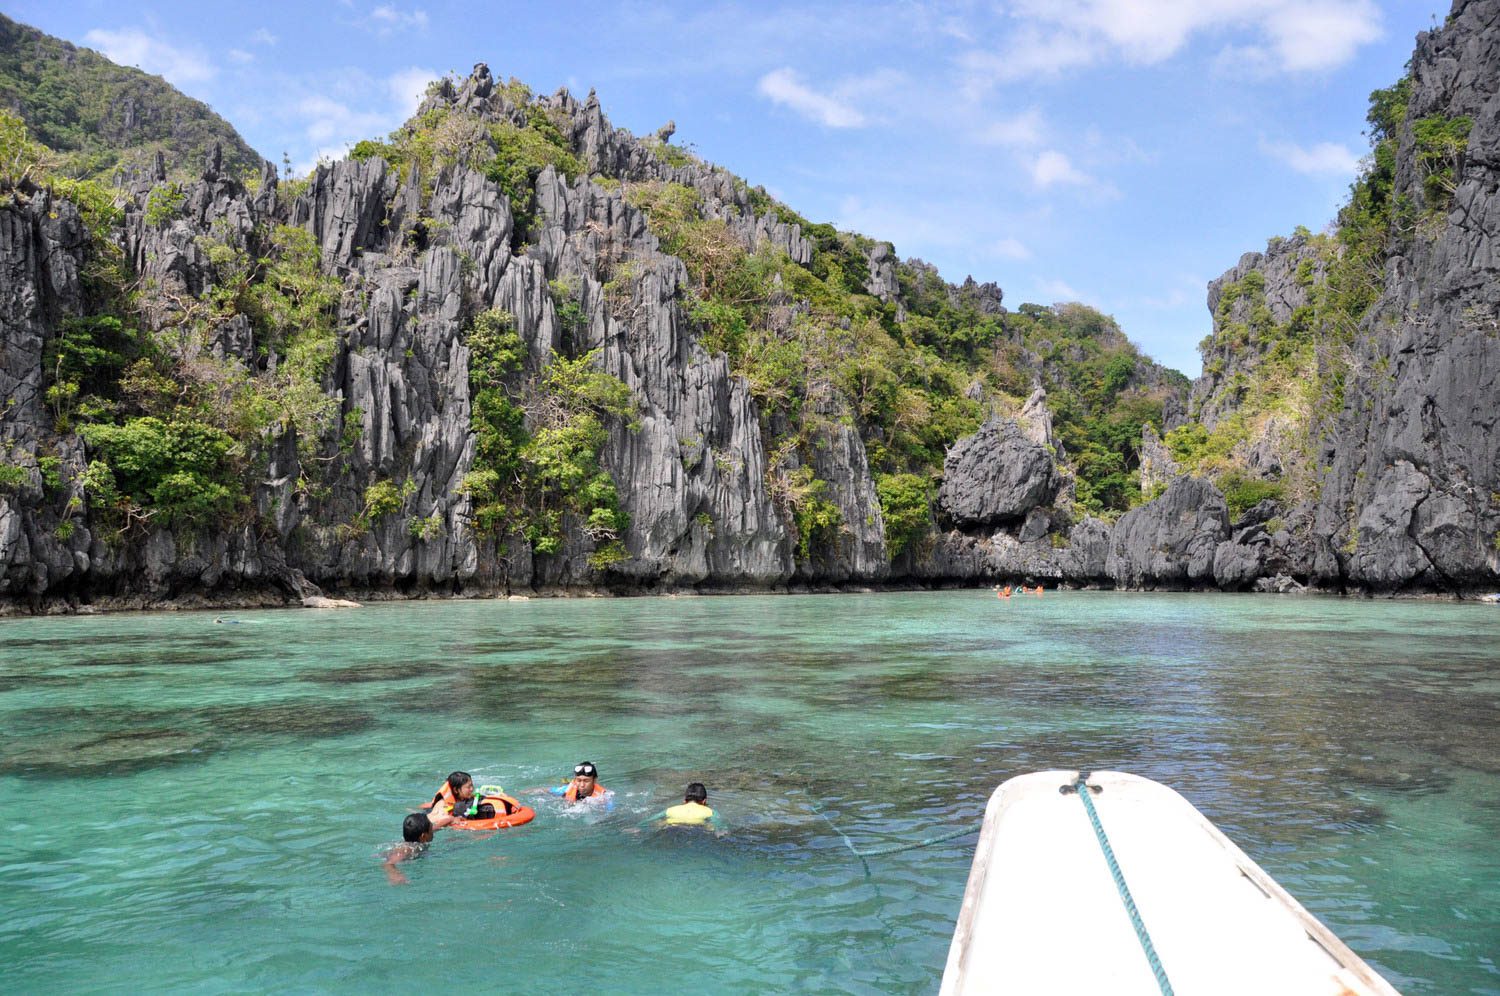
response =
{"points": [[1043, 912]]}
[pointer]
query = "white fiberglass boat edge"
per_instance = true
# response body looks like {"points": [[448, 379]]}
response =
{"points": [[1042, 912]]}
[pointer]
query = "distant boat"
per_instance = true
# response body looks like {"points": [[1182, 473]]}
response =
{"points": [[1042, 912]]}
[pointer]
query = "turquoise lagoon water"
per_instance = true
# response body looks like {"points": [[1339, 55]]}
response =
{"points": [[202, 806]]}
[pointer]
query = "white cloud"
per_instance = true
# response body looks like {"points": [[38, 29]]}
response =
{"points": [[387, 18], [1022, 130], [408, 88], [917, 227], [369, 109], [1012, 249], [1318, 36], [260, 36], [327, 153], [1052, 167], [240, 56], [1029, 53], [1291, 35], [1323, 159], [1058, 290], [1188, 291], [783, 87], [133, 47], [326, 120]]}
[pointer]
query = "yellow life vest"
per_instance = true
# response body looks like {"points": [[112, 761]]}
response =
{"points": [[689, 813]]}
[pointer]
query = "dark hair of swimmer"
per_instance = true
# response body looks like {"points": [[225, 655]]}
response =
{"points": [[415, 827], [458, 780], [696, 793], [586, 768]]}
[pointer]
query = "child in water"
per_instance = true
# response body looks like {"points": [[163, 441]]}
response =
{"points": [[694, 810], [416, 834]]}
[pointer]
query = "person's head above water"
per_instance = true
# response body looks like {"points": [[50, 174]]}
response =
{"points": [[462, 785], [585, 770], [416, 829], [696, 793]]}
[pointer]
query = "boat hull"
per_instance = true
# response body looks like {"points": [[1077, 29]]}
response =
{"points": [[1042, 912]]}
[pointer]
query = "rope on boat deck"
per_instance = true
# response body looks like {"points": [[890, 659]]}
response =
{"points": [[1081, 786]]}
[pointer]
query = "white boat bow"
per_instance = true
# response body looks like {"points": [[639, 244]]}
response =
{"points": [[1042, 912]]}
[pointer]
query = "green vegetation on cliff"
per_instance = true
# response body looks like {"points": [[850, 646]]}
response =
{"points": [[97, 115], [1291, 374], [537, 443], [175, 424], [511, 153], [180, 414], [914, 374], [1100, 391], [816, 350]]}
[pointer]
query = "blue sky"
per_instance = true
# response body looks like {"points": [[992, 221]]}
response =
{"points": [[1117, 152]]}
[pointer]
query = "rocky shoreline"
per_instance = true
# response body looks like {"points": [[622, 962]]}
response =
{"points": [[271, 599]]}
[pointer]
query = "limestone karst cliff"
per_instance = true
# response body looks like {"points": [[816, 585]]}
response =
{"points": [[495, 353], [512, 347], [1352, 381]]}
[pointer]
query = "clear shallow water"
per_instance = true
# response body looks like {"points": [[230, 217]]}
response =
{"points": [[203, 806]]}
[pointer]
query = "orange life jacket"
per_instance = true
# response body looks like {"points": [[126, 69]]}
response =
{"points": [[445, 798], [504, 804], [571, 795]]}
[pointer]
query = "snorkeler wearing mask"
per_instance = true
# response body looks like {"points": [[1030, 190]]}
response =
{"points": [[585, 786]]}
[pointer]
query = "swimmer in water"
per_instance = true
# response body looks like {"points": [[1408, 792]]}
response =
{"points": [[585, 787], [694, 810], [416, 834]]}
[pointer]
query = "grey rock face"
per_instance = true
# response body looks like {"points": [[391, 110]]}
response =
{"points": [[1170, 542], [692, 475], [1287, 271], [859, 554], [1158, 468], [1411, 497], [882, 279], [42, 249], [996, 475], [1075, 557], [1407, 473], [1036, 420]]}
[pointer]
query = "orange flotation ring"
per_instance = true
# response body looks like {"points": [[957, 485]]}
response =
{"points": [[518, 814]]}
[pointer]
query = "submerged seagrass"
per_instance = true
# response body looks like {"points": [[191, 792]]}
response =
{"points": [[216, 816]]}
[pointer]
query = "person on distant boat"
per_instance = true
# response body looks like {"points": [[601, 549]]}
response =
{"points": [[416, 834], [585, 787], [694, 810]]}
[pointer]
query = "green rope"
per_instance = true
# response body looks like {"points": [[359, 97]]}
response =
{"points": [[1081, 786], [924, 842], [894, 848], [842, 836]]}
